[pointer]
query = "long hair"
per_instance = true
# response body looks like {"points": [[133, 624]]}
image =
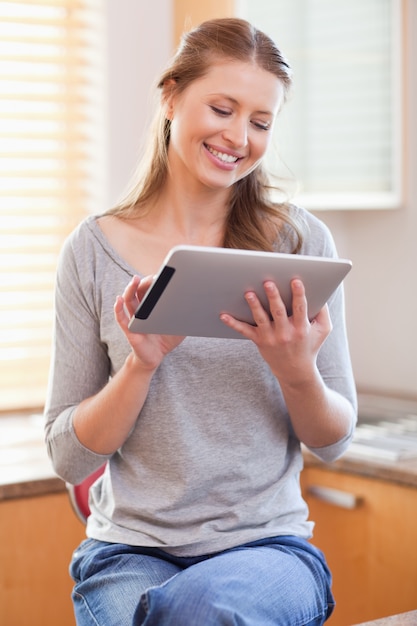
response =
{"points": [[254, 220]]}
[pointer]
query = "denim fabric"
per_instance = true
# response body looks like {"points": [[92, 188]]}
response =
{"points": [[280, 581]]}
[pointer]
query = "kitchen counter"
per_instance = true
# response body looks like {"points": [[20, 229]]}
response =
{"points": [[403, 619], [385, 443], [401, 472], [25, 469]]}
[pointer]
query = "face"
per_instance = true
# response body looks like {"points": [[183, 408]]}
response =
{"points": [[221, 125]]}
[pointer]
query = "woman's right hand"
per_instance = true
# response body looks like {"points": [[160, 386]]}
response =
{"points": [[148, 349]]}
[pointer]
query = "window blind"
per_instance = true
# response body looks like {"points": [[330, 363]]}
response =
{"points": [[51, 171], [340, 132]]}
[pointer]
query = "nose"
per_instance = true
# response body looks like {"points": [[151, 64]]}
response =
{"points": [[236, 132]]}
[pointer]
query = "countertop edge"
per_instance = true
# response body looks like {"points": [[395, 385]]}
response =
{"points": [[31, 488], [26, 471], [403, 473], [402, 619]]}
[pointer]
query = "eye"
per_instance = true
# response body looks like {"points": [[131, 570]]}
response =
{"points": [[222, 112], [262, 125]]}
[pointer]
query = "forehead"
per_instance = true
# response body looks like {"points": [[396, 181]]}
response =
{"points": [[243, 82]]}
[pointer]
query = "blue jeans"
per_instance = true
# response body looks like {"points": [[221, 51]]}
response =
{"points": [[280, 581]]}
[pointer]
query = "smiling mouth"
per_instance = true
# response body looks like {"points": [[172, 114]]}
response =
{"points": [[226, 158]]}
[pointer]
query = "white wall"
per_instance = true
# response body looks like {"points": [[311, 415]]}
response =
{"points": [[381, 290], [139, 43]]}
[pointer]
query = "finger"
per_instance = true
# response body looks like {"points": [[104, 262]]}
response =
{"points": [[260, 316], [144, 285], [276, 304], [299, 301], [129, 296], [246, 330], [134, 292], [120, 313], [323, 320], [131, 288]]}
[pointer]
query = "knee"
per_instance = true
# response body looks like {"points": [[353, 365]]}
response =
{"points": [[186, 602]]}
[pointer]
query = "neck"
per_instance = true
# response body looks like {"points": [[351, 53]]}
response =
{"points": [[197, 219]]}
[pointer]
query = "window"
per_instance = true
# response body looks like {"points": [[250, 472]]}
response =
{"points": [[340, 133], [51, 171]]}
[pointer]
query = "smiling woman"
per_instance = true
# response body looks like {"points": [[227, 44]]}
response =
{"points": [[201, 438], [51, 74]]}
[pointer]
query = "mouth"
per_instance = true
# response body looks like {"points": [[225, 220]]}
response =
{"points": [[223, 156]]}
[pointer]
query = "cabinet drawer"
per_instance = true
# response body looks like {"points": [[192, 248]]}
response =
{"points": [[367, 530]]}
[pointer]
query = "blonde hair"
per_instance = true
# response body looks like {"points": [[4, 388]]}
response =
{"points": [[254, 221]]}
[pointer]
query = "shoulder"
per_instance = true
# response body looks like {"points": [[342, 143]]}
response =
{"points": [[83, 253], [317, 237], [86, 233], [86, 245]]}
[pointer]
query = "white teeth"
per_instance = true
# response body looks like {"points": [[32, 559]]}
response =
{"points": [[227, 158]]}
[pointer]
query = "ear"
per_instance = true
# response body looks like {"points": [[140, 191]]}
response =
{"points": [[168, 98]]}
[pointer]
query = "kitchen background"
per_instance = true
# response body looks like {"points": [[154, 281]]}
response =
{"points": [[365, 507]]}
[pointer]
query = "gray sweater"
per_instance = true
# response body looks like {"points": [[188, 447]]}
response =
{"points": [[212, 461]]}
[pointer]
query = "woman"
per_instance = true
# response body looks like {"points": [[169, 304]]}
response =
{"points": [[198, 518]]}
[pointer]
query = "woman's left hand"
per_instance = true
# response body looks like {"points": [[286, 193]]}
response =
{"points": [[288, 344]]}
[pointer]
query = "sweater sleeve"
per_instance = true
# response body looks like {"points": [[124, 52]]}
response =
{"points": [[334, 360], [80, 365]]}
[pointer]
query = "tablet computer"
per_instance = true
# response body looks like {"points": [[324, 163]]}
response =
{"points": [[195, 284]]}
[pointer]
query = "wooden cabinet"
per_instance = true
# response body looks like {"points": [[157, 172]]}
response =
{"points": [[38, 535], [369, 536], [367, 529]]}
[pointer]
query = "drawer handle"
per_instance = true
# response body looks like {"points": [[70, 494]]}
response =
{"points": [[342, 499]]}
